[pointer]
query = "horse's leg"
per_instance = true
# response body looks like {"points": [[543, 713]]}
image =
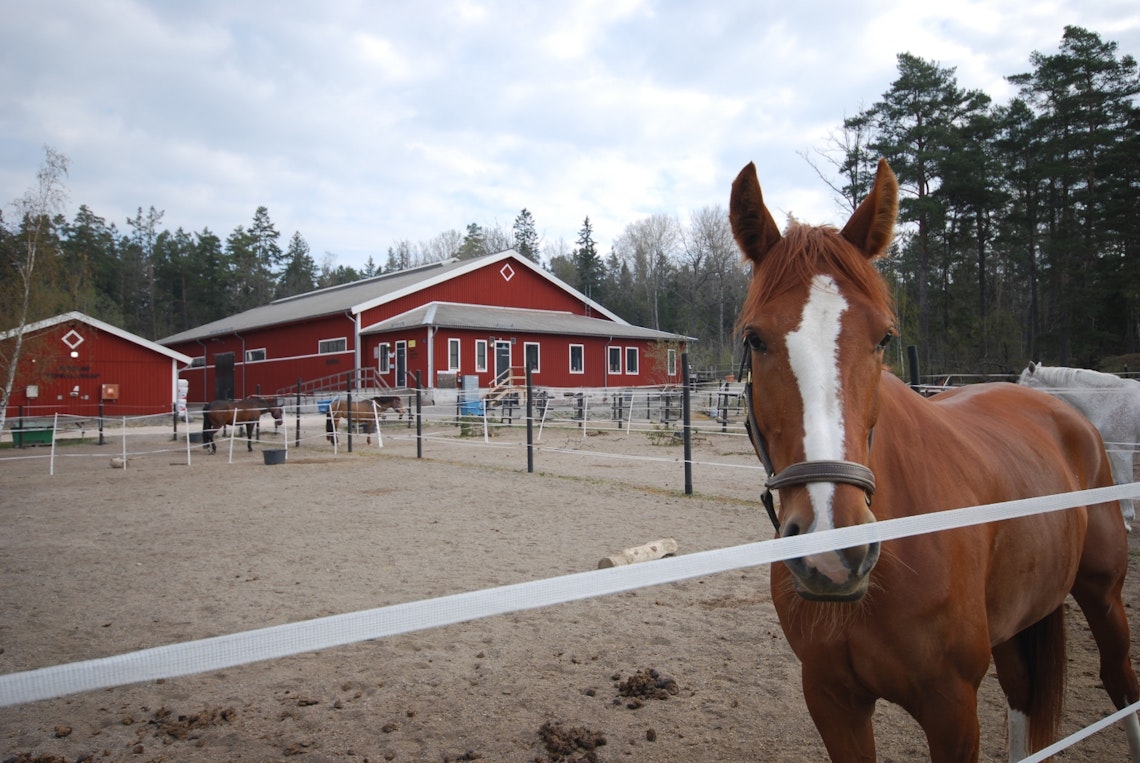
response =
{"points": [[1097, 589], [249, 436], [1031, 671], [842, 717], [1121, 462]]}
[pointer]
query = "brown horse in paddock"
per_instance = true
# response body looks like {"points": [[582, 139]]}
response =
{"points": [[220, 413], [364, 411], [916, 621]]}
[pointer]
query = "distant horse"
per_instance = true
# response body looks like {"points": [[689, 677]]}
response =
{"points": [[1112, 404], [916, 620], [249, 411], [364, 411]]}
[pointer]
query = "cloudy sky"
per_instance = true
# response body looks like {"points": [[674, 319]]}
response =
{"points": [[360, 124]]}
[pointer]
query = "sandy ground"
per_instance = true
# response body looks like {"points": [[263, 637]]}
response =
{"points": [[97, 561]]}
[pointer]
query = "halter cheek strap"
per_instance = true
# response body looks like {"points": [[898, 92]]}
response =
{"points": [[801, 473]]}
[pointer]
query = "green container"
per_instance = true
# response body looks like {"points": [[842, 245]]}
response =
{"points": [[26, 437]]}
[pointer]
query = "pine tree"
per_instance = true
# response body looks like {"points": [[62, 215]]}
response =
{"points": [[587, 263], [526, 238]]}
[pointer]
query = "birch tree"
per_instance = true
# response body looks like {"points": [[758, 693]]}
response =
{"points": [[35, 210]]}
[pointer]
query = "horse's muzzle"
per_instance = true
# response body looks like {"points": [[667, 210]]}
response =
{"points": [[840, 575]]}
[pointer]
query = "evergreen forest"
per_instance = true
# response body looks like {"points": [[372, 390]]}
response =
{"points": [[1018, 238]]}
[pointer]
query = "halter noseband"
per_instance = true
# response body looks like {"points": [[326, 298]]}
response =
{"points": [[801, 473]]}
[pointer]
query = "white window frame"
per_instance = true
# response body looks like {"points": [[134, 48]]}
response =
{"points": [[634, 354], [671, 362], [454, 353], [581, 348], [324, 348], [613, 352], [480, 355], [252, 356], [384, 356]]}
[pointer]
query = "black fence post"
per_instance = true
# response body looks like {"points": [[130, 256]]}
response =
{"points": [[912, 359], [419, 419], [529, 419], [348, 404], [685, 422], [101, 440]]}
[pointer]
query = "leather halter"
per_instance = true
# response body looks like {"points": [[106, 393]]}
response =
{"points": [[803, 472]]}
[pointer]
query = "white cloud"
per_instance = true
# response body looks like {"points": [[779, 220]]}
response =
{"points": [[362, 124]]}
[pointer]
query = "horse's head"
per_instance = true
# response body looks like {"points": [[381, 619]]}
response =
{"points": [[1029, 377], [816, 321], [278, 413]]}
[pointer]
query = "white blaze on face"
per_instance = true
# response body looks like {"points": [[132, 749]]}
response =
{"points": [[813, 352]]}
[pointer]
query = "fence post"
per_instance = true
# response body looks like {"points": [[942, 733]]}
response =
{"points": [[348, 403], [685, 427], [529, 419], [297, 441], [419, 418], [912, 359]]}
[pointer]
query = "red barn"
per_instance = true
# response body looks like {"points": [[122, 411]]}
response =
{"points": [[484, 317], [72, 362]]}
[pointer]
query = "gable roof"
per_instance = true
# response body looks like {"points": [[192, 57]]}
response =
{"points": [[106, 327], [358, 296], [488, 318]]}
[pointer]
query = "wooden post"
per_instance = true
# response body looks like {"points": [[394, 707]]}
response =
{"points": [[642, 553]]}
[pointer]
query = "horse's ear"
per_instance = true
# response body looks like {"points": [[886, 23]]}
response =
{"points": [[872, 226], [752, 226]]}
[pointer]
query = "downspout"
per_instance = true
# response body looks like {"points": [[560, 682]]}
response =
{"points": [[606, 360], [431, 331], [355, 341]]}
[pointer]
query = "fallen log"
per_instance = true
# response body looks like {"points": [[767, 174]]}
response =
{"points": [[643, 553]]}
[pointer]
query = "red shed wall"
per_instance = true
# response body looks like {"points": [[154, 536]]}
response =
{"points": [[553, 356], [291, 351], [146, 379]]}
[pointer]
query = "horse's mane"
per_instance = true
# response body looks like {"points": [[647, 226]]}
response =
{"points": [[1061, 376], [803, 251]]}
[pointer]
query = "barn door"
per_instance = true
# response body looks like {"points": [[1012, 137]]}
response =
{"points": [[224, 376], [502, 361]]}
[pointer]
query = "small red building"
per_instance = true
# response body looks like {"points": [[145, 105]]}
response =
{"points": [[484, 317], [71, 363]]}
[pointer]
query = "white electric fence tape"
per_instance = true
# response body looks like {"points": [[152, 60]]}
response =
{"points": [[222, 652]]}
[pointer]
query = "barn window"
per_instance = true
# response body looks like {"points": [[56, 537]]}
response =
{"points": [[198, 362], [326, 346], [252, 356], [615, 359], [577, 359], [385, 362], [480, 354], [452, 354], [671, 361], [631, 356], [530, 355]]}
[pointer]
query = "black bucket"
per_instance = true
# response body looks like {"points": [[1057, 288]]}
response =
{"points": [[275, 456]]}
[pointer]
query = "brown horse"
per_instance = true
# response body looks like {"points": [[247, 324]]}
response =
{"points": [[364, 411], [916, 621], [249, 411]]}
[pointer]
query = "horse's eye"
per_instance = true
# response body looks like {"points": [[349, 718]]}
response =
{"points": [[886, 340], [755, 343]]}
